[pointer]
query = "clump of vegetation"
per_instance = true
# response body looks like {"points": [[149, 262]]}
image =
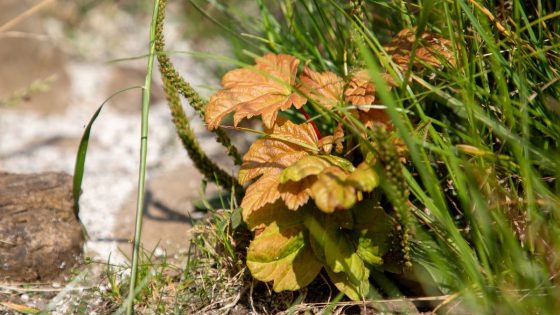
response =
{"points": [[345, 229]]}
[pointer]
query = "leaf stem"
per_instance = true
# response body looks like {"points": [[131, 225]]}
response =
{"points": [[308, 118], [143, 154]]}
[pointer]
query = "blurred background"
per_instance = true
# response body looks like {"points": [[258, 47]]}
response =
{"points": [[61, 61]]}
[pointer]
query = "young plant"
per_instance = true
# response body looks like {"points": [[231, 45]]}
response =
{"points": [[344, 229]]}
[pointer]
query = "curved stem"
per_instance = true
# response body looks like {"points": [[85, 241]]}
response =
{"points": [[306, 115]]}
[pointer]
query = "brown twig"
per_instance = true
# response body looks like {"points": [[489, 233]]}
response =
{"points": [[445, 302]]}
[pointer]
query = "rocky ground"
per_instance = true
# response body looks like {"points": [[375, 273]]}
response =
{"points": [[56, 72]]}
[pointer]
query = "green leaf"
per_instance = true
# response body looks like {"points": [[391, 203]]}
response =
{"points": [[283, 255], [340, 162], [318, 223], [335, 247], [344, 283], [364, 178], [346, 268], [373, 229], [369, 251], [236, 218], [309, 165], [331, 192], [81, 159], [276, 213], [340, 252], [313, 165]]}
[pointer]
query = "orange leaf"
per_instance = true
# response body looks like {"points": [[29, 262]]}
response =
{"points": [[324, 88], [263, 90], [338, 138], [262, 192], [267, 190], [286, 144], [326, 144], [374, 116], [432, 49], [361, 90], [296, 194]]}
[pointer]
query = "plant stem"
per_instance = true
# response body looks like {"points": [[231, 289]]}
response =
{"points": [[306, 115], [143, 153]]}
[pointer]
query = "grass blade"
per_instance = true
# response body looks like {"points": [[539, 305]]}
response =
{"points": [[143, 154], [79, 167]]}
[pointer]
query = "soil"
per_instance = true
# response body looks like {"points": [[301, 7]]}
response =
{"points": [[168, 213]]}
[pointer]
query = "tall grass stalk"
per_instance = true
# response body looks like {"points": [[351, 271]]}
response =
{"points": [[143, 153]]}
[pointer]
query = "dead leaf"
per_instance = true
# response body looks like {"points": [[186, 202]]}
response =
{"points": [[338, 138], [362, 91], [263, 90], [374, 116], [432, 49]]}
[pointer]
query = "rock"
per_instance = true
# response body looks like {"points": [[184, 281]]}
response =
{"points": [[40, 235]]}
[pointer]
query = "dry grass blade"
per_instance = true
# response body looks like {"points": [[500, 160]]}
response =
{"points": [[447, 300], [29, 12], [23, 309]]}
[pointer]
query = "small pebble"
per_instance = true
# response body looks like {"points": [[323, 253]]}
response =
{"points": [[198, 215], [159, 252], [24, 298]]}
